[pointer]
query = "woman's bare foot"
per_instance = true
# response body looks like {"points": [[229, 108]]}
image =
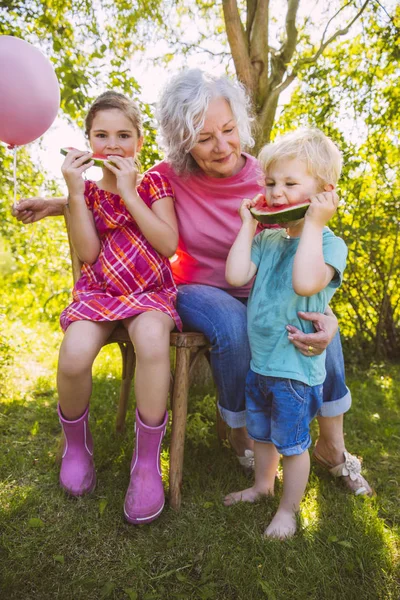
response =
{"points": [[249, 495], [243, 447], [282, 526], [331, 453]]}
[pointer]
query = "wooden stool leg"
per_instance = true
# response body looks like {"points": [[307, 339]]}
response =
{"points": [[179, 414], [128, 369]]}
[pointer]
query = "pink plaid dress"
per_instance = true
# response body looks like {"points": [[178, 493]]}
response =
{"points": [[129, 277]]}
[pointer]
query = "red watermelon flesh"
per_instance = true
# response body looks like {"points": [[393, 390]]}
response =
{"points": [[270, 215], [97, 158]]}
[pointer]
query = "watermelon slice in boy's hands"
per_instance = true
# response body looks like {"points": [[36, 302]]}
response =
{"points": [[98, 159], [270, 215]]}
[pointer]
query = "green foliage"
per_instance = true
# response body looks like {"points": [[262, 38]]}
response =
{"points": [[357, 103], [39, 281], [351, 92], [7, 352], [35, 260], [89, 43], [88, 48]]}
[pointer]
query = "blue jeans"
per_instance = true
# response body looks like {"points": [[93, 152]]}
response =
{"points": [[223, 320], [279, 411]]}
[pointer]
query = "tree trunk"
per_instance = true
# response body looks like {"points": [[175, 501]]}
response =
{"points": [[266, 71]]}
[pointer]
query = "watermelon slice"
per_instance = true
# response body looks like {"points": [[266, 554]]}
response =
{"points": [[98, 159], [270, 215]]}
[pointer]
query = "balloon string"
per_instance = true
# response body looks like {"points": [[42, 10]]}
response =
{"points": [[14, 148], [15, 175]]}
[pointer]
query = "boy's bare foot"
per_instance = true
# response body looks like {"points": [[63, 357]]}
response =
{"points": [[249, 495], [282, 526]]}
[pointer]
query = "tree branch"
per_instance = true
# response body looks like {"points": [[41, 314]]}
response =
{"points": [[238, 44], [284, 84], [333, 18], [259, 47], [251, 11], [199, 48], [289, 46], [338, 33], [281, 59]]}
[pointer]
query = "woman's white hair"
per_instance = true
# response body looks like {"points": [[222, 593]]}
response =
{"points": [[182, 111]]}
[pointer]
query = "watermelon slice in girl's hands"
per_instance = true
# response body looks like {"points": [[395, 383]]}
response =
{"points": [[98, 159], [269, 215]]}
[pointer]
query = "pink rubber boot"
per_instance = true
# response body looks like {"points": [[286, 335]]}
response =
{"points": [[145, 499], [77, 474]]}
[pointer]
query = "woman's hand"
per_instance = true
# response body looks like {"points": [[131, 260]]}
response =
{"points": [[75, 164], [30, 210], [126, 174], [325, 325]]}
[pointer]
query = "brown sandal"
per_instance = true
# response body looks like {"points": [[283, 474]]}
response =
{"points": [[350, 471]]}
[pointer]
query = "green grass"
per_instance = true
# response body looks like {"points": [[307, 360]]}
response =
{"points": [[56, 547]]}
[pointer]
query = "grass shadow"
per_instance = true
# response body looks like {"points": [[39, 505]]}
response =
{"points": [[53, 546]]}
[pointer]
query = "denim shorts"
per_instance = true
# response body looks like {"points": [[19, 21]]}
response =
{"points": [[223, 320], [279, 411]]}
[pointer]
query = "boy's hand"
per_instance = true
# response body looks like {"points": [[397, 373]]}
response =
{"points": [[244, 210], [126, 174], [76, 162], [322, 208]]}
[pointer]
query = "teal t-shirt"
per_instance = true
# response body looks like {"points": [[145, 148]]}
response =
{"points": [[273, 304]]}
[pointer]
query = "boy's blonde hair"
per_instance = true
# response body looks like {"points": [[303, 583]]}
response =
{"points": [[320, 154]]}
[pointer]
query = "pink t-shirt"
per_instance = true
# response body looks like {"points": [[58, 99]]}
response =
{"points": [[208, 220]]}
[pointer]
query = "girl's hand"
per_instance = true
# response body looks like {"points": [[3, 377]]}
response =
{"points": [[75, 164], [322, 208], [126, 174]]}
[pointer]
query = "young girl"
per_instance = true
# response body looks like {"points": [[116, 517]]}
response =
{"points": [[123, 231]]}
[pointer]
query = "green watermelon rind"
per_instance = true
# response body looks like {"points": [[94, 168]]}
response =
{"points": [[98, 162], [286, 215]]}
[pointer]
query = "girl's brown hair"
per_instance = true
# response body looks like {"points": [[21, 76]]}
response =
{"points": [[110, 100]]}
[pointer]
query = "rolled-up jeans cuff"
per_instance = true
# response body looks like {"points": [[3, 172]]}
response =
{"points": [[336, 407], [232, 419]]}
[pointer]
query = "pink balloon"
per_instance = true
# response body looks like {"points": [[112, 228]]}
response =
{"points": [[29, 92]]}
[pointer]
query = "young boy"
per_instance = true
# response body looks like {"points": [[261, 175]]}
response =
{"points": [[297, 268]]}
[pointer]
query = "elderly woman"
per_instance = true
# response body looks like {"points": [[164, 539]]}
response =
{"points": [[204, 124]]}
